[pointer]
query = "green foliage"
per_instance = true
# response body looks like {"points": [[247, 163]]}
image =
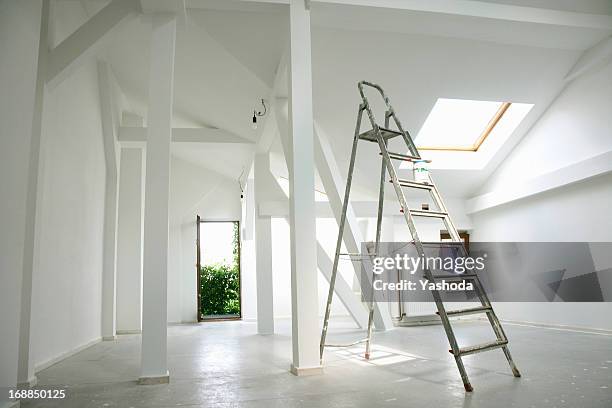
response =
{"points": [[220, 290], [220, 284]]}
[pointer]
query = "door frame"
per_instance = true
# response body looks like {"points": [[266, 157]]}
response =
{"points": [[199, 221]]}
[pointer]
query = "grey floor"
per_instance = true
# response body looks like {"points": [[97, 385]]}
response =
{"points": [[226, 364]]}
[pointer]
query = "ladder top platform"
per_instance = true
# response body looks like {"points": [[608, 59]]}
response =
{"points": [[387, 134]]}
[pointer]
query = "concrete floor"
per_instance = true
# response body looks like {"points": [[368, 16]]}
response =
{"points": [[226, 364]]}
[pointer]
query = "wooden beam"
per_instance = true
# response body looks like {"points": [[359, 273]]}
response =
{"points": [[352, 235], [574, 173], [268, 130], [183, 135], [111, 203], [483, 9], [469, 8], [25, 368], [334, 184], [302, 219], [594, 57], [345, 294], [84, 42], [154, 350]]}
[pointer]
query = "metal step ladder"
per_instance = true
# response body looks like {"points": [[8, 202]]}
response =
{"points": [[381, 136]]}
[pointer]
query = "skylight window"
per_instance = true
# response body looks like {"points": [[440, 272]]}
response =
{"points": [[459, 124]]}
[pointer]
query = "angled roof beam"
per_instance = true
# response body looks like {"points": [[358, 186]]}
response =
{"points": [[344, 292], [333, 183], [183, 135], [472, 8], [268, 131], [483, 9], [571, 174], [596, 56], [83, 43]]}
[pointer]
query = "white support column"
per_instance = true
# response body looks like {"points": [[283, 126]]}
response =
{"points": [[109, 267], [154, 367], [263, 250], [304, 293], [129, 241], [25, 368]]}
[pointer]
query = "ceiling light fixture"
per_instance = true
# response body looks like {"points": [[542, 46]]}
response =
{"points": [[257, 113]]}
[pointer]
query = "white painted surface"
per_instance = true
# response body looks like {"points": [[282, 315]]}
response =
{"points": [[574, 128], [129, 240], [335, 188], [304, 314], [263, 249], [25, 373], [66, 309], [82, 44], [575, 213], [19, 37], [157, 190], [111, 203], [247, 252]]}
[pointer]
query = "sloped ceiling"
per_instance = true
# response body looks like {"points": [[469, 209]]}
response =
{"points": [[260, 50], [227, 53]]}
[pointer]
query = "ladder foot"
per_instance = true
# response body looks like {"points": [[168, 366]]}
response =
{"points": [[516, 373], [468, 387], [367, 356]]}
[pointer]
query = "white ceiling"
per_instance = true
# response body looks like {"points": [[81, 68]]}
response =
{"points": [[227, 53]]}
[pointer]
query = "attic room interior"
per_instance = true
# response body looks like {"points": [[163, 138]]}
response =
{"points": [[306, 203]]}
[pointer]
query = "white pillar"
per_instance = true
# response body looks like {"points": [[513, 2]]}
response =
{"points": [[109, 262], [304, 294], [263, 250], [129, 241], [25, 369], [154, 367]]}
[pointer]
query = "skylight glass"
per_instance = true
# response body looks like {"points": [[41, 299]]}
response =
{"points": [[459, 124]]}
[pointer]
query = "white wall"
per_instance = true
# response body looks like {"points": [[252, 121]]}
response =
{"points": [[129, 240], [66, 311], [19, 33], [575, 127]]}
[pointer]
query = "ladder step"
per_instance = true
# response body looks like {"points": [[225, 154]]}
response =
{"points": [[387, 134], [479, 348], [404, 157], [414, 184], [427, 213], [469, 311], [443, 243]]}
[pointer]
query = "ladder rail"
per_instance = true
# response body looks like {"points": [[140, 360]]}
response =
{"points": [[376, 134], [381, 200], [390, 113], [347, 190], [415, 236]]}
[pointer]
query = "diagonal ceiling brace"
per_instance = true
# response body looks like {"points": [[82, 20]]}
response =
{"points": [[83, 43]]}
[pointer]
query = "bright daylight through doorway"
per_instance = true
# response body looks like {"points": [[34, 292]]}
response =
{"points": [[218, 270]]}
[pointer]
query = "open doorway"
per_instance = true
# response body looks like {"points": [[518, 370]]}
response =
{"points": [[218, 270]]}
